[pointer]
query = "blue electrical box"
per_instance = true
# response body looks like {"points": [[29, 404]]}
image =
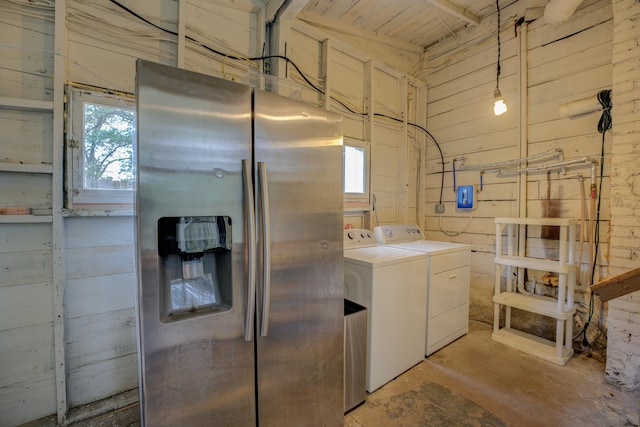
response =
{"points": [[465, 197]]}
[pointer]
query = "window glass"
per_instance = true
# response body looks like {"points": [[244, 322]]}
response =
{"points": [[356, 171], [107, 147], [354, 168]]}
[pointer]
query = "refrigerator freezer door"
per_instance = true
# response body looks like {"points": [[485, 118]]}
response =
{"points": [[193, 133], [300, 360]]}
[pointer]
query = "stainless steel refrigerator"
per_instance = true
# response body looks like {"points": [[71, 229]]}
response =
{"points": [[239, 215]]}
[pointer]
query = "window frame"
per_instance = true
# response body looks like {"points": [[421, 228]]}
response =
{"points": [[76, 195]]}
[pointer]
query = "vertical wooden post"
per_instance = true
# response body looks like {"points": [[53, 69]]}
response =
{"points": [[58, 235]]}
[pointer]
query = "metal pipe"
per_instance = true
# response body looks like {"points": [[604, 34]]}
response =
{"points": [[491, 166], [453, 168], [560, 165]]}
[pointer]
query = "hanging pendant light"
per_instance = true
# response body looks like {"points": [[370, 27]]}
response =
{"points": [[499, 106]]}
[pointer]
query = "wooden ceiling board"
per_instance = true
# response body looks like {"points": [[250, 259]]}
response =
{"points": [[409, 20], [357, 10], [417, 22], [423, 30], [374, 17], [334, 9]]}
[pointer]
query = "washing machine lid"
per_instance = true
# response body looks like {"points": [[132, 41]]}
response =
{"points": [[380, 256], [431, 247]]}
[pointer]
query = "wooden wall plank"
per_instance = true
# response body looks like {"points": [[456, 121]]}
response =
{"points": [[25, 190], [93, 382], [99, 261], [24, 237], [28, 357], [97, 337], [26, 267], [81, 231], [25, 305], [36, 395], [27, 61], [88, 296], [32, 129]]}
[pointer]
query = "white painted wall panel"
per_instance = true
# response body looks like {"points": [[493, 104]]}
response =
{"points": [[99, 307], [105, 41], [236, 33], [25, 267], [94, 382], [26, 52], [25, 136], [25, 190], [25, 305], [26, 374], [565, 62], [349, 88], [100, 294], [101, 354], [306, 52]]}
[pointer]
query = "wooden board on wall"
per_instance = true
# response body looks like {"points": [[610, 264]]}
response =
{"points": [[99, 307], [27, 373]]}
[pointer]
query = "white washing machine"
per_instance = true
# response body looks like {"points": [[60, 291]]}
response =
{"points": [[448, 280], [391, 284]]}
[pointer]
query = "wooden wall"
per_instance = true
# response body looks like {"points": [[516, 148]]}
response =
{"points": [[102, 42], [563, 63], [623, 334], [27, 371]]}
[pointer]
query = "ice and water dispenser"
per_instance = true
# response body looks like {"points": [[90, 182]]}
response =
{"points": [[195, 266]]}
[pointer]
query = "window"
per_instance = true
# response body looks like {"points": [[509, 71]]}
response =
{"points": [[356, 171], [100, 135]]}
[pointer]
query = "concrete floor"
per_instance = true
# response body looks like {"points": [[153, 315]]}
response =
{"points": [[476, 382]]}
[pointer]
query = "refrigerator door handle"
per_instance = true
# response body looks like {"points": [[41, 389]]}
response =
{"points": [[251, 241], [266, 248]]}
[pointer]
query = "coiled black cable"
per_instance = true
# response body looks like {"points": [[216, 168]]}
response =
{"points": [[604, 124], [604, 98]]}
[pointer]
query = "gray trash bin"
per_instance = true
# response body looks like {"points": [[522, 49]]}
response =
{"points": [[355, 354]]}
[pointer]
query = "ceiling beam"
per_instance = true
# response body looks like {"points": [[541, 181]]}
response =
{"points": [[456, 11], [285, 9], [339, 27]]}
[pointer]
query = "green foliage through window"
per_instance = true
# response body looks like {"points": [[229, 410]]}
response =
{"points": [[108, 147]]}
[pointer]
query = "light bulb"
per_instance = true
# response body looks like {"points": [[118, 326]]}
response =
{"points": [[499, 107]]}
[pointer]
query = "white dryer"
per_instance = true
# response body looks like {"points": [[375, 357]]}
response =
{"points": [[391, 284], [448, 279]]}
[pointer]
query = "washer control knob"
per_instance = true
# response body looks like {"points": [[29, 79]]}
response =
{"points": [[350, 235]]}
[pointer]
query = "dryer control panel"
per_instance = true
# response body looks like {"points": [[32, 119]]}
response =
{"points": [[359, 238], [395, 233]]}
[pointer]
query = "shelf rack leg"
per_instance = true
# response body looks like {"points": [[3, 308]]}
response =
{"points": [[511, 251], [496, 306], [559, 337]]}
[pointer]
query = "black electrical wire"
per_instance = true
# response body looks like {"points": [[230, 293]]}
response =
{"points": [[430, 136], [604, 124], [498, 67], [304, 77]]}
